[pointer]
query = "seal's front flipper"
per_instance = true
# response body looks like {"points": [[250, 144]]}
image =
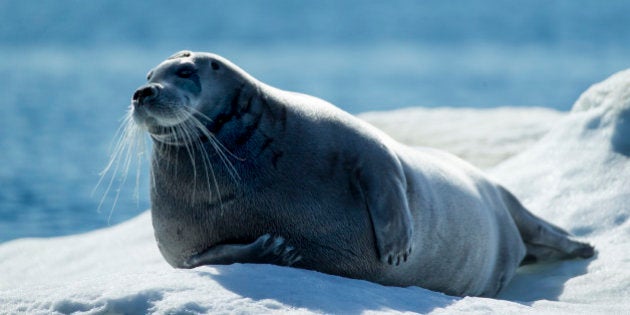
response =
{"points": [[384, 187], [265, 250]]}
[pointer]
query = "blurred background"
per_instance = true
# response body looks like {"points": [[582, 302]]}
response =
{"points": [[69, 68]]}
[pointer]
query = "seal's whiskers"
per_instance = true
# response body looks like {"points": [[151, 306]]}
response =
{"points": [[131, 142], [194, 130], [220, 149]]}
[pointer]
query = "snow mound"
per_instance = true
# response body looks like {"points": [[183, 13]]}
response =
{"points": [[612, 98], [483, 137], [577, 176]]}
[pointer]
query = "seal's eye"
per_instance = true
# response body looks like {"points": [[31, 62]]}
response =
{"points": [[185, 72], [215, 65]]}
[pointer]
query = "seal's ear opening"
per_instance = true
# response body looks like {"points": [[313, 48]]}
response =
{"points": [[215, 65], [181, 54]]}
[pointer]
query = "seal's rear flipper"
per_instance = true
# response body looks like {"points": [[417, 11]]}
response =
{"points": [[544, 241], [541, 253]]}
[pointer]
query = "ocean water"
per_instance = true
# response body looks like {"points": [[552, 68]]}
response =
{"points": [[68, 69]]}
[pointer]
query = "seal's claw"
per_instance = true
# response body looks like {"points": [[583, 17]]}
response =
{"points": [[264, 241], [295, 259], [392, 249], [279, 245], [290, 256], [396, 257], [275, 250]]}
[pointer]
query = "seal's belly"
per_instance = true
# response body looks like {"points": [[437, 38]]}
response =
{"points": [[466, 242]]}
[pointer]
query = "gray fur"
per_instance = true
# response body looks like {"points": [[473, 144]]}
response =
{"points": [[261, 175]]}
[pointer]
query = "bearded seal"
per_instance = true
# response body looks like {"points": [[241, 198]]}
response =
{"points": [[243, 172]]}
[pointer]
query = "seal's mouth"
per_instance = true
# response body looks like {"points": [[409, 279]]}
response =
{"points": [[160, 131], [158, 115], [188, 130]]}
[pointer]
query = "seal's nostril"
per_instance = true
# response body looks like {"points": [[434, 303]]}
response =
{"points": [[144, 93], [136, 95]]}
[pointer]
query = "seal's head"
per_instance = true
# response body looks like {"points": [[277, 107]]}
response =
{"points": [[184, 93]]}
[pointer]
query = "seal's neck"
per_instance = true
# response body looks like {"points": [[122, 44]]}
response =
{"points": [[196, 173], [239, 136]]}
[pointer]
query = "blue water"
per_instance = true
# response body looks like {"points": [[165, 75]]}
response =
{"points": [[68, 68]]}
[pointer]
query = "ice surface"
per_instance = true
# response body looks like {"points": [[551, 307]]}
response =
{"points": [[577, 176]]}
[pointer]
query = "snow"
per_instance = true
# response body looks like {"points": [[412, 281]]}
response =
{"points": [[501, 132], [577, 176]]}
